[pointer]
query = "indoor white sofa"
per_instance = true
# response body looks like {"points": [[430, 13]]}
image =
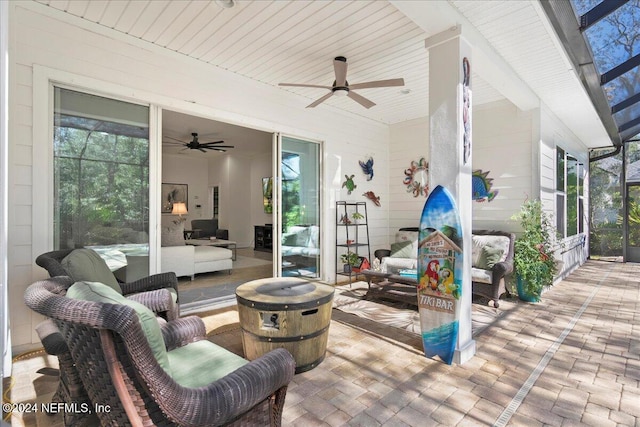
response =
{"points": [[188, 260]]}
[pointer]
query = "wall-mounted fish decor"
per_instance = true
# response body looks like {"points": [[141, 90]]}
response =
{"points": [[481, 186], [372, 196], [367, 168]]}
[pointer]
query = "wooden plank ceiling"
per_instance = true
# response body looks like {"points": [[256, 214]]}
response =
{"points": [[296, 41]]}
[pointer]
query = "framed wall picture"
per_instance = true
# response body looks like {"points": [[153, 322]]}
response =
{"points": [[172, 193]]}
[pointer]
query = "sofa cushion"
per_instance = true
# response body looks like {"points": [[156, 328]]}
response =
{"points": [[480, 241], [406, 236], [289, 239], [202, 362], [403, 250], [481, 275], [301, 234], [86, 265], [489, 256], [172, 232], [211, 253], [99, 292], [394, 265], [314, 237]]}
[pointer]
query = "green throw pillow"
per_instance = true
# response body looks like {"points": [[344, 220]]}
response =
{"points": [[489, 256], [85, 265], [402, 250], [98, 292]]}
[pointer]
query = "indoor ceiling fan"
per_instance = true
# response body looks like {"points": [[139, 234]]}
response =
{"points": [[194, 144], [342, 88]]}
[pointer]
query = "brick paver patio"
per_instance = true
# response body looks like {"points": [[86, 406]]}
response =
{"points": [[572, 359]]}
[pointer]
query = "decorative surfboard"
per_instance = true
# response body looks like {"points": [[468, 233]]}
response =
{"points": [[440, 267]]}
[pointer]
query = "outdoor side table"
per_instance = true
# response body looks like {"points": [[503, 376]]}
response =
{"points": [[285, 312]]}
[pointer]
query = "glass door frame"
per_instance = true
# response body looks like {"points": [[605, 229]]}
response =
{"points": [[630, 253], [277, 203]]}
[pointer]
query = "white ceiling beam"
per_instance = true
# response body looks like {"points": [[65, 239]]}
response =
{"points": [[441, 20]]}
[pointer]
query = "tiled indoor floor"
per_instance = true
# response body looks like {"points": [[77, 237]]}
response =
{"points": [[572, 359]]}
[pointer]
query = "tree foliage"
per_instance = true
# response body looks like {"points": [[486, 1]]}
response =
{"points": [[101, 187]]}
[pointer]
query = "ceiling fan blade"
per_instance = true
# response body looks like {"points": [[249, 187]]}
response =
{"points": [[175, 139], [340, 69], [202, 149], [320, 100], [211, 143], [378, 83], [304, 85], [361, 100], [173, 143], [214, 147]]}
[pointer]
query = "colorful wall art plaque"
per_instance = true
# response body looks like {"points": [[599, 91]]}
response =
{"points": [[440, 267]]}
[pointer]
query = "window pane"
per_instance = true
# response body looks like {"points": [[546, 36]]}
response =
{"points": [[560, 169], [572, 196], [560, 216], [101, 176]]}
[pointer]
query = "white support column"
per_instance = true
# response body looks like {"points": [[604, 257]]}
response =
{"points": [[447, 164]]}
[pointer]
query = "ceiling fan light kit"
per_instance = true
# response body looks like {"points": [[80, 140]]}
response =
{"points": [[342, 88]]}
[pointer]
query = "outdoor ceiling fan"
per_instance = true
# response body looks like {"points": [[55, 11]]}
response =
{"points": [[341, 87], [194, 144]]}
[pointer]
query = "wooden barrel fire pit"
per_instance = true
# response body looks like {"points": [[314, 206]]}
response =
{"points": [[285, 312]]}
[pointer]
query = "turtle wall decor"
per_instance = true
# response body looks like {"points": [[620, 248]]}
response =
{"points": [[349, 184]]}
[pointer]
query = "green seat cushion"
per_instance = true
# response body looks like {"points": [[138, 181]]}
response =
{"points": [[85, 265], [202, 362], [99, 292], [489, 256]]}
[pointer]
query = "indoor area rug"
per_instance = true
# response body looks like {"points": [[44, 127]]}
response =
{"points": [[355, 299]]}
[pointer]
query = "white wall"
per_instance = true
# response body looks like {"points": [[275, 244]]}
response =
{"points": [[409, 142], [502, 144], [193, 171], [553, 133], [83, 54]]}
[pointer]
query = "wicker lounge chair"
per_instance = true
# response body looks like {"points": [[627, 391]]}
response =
{"points": [[118, 364], [154, 291]]}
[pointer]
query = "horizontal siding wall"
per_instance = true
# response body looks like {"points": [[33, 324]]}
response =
{"points": [[502, 146], [553, 133], [183, 85], [409, 142]]}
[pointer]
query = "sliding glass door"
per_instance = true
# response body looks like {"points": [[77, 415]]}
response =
{"points": [[101, 179], [299, 217]]}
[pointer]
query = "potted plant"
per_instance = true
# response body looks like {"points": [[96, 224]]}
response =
{"points": [[533, 259], [349, 259]]}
